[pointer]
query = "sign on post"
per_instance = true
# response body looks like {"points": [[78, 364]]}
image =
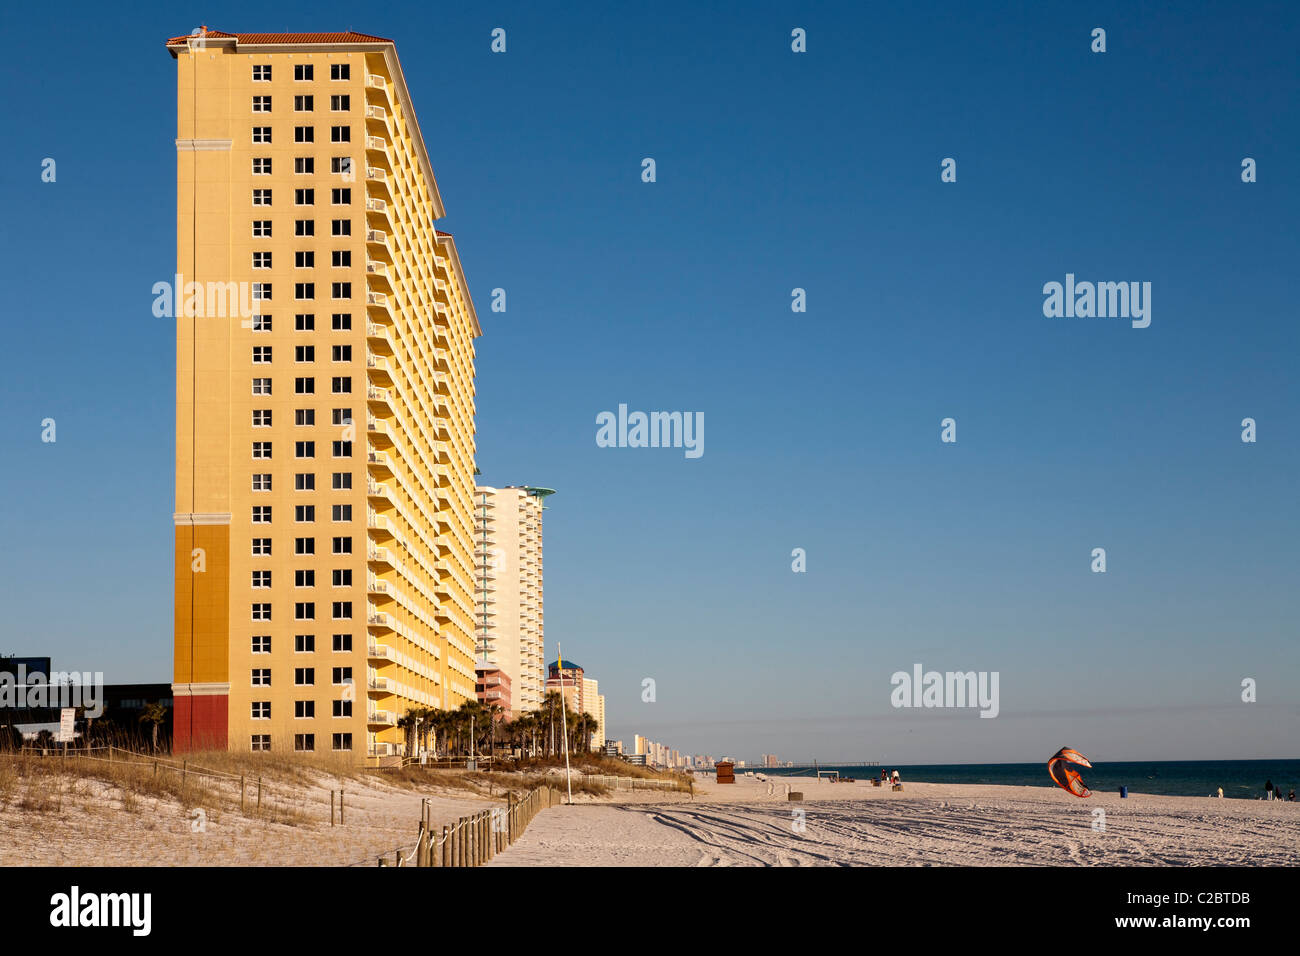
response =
{"points": [[67, 725]]}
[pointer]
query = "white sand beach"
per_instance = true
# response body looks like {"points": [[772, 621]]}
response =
{"points": [[924, 825]]}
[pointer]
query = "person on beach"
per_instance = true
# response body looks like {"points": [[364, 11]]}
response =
{"points": [[1268, 789], [1291, 796]]}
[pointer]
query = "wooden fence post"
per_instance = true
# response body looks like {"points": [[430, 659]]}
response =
{"points": [[259, 794], [241, 804], [446, 846], [340, 806], [241, 800]]}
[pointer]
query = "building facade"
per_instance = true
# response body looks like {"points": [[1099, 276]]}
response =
{"points": [[509, 606], [324, 574]]}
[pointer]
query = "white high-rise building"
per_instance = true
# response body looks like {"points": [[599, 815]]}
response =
{"points": [[508, 600]]}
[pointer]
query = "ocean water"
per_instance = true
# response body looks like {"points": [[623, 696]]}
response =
{"points": [[1240, 779]]}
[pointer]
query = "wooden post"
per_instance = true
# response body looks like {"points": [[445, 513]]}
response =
{"points": [[446, 846], [340, 806], [241, 799], [259, 794], [331, 806]]}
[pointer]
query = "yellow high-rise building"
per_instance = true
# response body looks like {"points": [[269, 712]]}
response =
{"points": [[325, 419]]}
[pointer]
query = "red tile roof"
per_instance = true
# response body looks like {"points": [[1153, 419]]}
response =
{"points": [[295, 38]]}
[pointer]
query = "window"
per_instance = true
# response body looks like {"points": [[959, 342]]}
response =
{"points": [[261, 292], [342, 741], [261, 418], [342, 384], [340, 134], [261, 710], [304, 611], [261, 743], [304, 134], [341, 165], [304, 165], [342, 449], [342, 545], [261, 323], [261, 134], [342, 353], [261, 449], [341, 290], [304, 676], [304, 481], [261, 354], [338, 71], [304, 290], [342, 642], [342, 579], [262, 482], [304, 513], [261, 386], [261, 73], [304, 416], [341, 227], [304, 227], [341, 321], [304, 449], [304, 322], [342, 480], [304, 545], [261, 514], [261, 677], [261, 260], [261, 197], [304, 742], [304, 353], [343, 612], [304, 709], [261, 166], [340, 513], [341, 197], [304, 197], [261, 579], [262, 644], [340, 103], [261, 104], [302, 71], [304, 643], [341, 416], [304, 260], [302, 104], [304, 578], [341, 258], [261, 546], [342, 675], [304, 386], [261, 229]]}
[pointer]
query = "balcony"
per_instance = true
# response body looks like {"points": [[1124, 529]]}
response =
{"points": [[380, 366], [379, 459], [377, 206], [381, 685], [377, 428], [380, 619], [379, 652], [377, 113], [376, 394], [381, 718], [380, 555], [377, 236]]}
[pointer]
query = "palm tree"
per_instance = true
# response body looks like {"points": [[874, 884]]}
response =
{"points": [[407, 724], [154, 714]]}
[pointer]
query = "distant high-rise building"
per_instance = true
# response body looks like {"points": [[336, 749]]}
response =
{"points": [[508, 601]]}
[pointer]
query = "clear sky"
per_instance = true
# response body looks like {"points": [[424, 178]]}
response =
{"points": [[775, 170]]}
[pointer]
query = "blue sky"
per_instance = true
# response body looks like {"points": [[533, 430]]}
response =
{"points": [[775, 170]]}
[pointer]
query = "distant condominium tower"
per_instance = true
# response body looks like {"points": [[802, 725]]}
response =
{"points": [[508, 599], [324, 579]]}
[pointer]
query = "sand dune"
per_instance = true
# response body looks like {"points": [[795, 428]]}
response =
{"points": [[926, 824]]}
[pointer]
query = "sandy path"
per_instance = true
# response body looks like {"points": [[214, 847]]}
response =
{"points": [[927, 824]]}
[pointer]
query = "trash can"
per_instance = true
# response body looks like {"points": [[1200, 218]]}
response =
{"points": [[1123, 791]]}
